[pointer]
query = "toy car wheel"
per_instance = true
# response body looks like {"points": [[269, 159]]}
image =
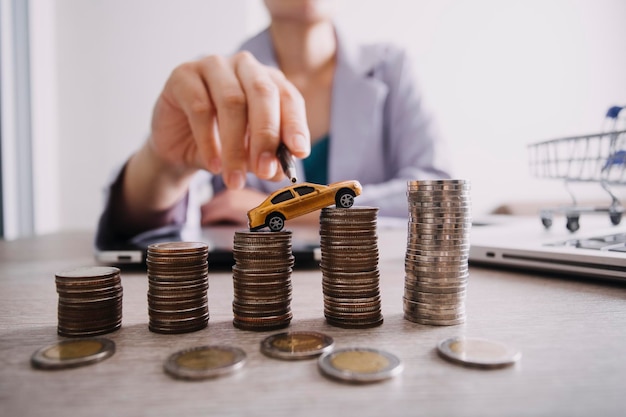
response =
{"points": [[344, 198], [275, 222]]}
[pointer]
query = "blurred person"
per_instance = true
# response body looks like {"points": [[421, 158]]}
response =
{"points": [[347, 111]]}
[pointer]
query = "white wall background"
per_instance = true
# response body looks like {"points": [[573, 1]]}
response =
{"points": [[499, 74]]}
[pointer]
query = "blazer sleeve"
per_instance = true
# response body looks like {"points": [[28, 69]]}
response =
{"points": [[114, 226]]}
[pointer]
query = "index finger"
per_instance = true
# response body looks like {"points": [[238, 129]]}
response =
{"points": [[263, 99], [294, 128]]}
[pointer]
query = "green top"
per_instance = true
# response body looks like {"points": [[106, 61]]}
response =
{"points": [[316, 164]]}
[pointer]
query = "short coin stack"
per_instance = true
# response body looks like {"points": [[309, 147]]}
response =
{"points": [[350, 276], [90, 301], [262, 280], [436, 263], [177, 286]]}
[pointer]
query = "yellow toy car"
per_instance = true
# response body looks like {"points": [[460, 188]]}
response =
{"points": [[299, 199]]}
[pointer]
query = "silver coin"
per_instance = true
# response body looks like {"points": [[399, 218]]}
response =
{"points": [[360, 365], [420, 204], [89, 272], [424, 297], [418, 219], [434, 315], [436, 322], [73, 353], [478, 352], [453, 249], [297, 345], [205, 362], [451, 289], [435, 195], [432, 229], [452, 189], [418, 258], [460, 205], [435, 278], [443, 181], [353, 211], [262, 235]]}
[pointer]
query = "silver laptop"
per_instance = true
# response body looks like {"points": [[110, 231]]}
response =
{"points": [[596, 250], [305, 245]]}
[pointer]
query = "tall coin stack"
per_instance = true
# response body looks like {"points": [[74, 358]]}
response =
{"points": [[437, 252], [177, 287], [90, 301], [262, 280], [350, 276]]}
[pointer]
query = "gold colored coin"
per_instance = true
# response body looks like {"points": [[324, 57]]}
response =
{"points": [[205, 362], [362, 362], [360, 365], [297, 345], [73, 353]]}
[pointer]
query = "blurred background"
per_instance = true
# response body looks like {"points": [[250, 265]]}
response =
{"points": [[80, 77]]}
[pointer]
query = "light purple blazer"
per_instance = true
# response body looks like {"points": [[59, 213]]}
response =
{"points": [[380, 132]]}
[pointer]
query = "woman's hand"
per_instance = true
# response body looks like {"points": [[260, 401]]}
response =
{"points": [[228, 115], [231, 206]]}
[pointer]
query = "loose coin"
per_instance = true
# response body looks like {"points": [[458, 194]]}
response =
{"points": [[297, 345], [360, 365], [477, 352], [205, 362], [73, 353]]}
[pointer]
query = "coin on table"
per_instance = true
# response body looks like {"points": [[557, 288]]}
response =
{"points": [[296, 345], [73, 353], [360, 365], [478, 352], [205, 362]]}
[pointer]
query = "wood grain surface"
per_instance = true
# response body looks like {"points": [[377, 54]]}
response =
{"points": [[571, 333]]}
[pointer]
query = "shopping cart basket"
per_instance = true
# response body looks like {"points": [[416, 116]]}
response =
{"points": [[597, 158]]}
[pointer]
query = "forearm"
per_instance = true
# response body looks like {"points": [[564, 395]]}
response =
{"points": [[142, 197], [150, 185]]}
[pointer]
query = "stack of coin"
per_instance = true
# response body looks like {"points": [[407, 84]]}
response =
{"points": [[177, 287], [262, 280], [90, 301], [350, 276], [436, 263]]}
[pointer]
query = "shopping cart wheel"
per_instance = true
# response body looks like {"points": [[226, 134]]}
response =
{"points": [[616, 218], [546, 218], [572, 223]]}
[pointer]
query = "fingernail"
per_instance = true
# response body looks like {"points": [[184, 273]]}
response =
{"points": [[236, 180], [300, 143], [267, 165], [215, 165]]}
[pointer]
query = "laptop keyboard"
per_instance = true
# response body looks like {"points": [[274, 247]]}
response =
{"points": [[613, 243]]}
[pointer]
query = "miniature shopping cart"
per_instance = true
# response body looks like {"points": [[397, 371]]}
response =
{"points": [[598, 158]]}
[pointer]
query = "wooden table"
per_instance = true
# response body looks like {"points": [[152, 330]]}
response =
{"points": [[572, 334]]}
